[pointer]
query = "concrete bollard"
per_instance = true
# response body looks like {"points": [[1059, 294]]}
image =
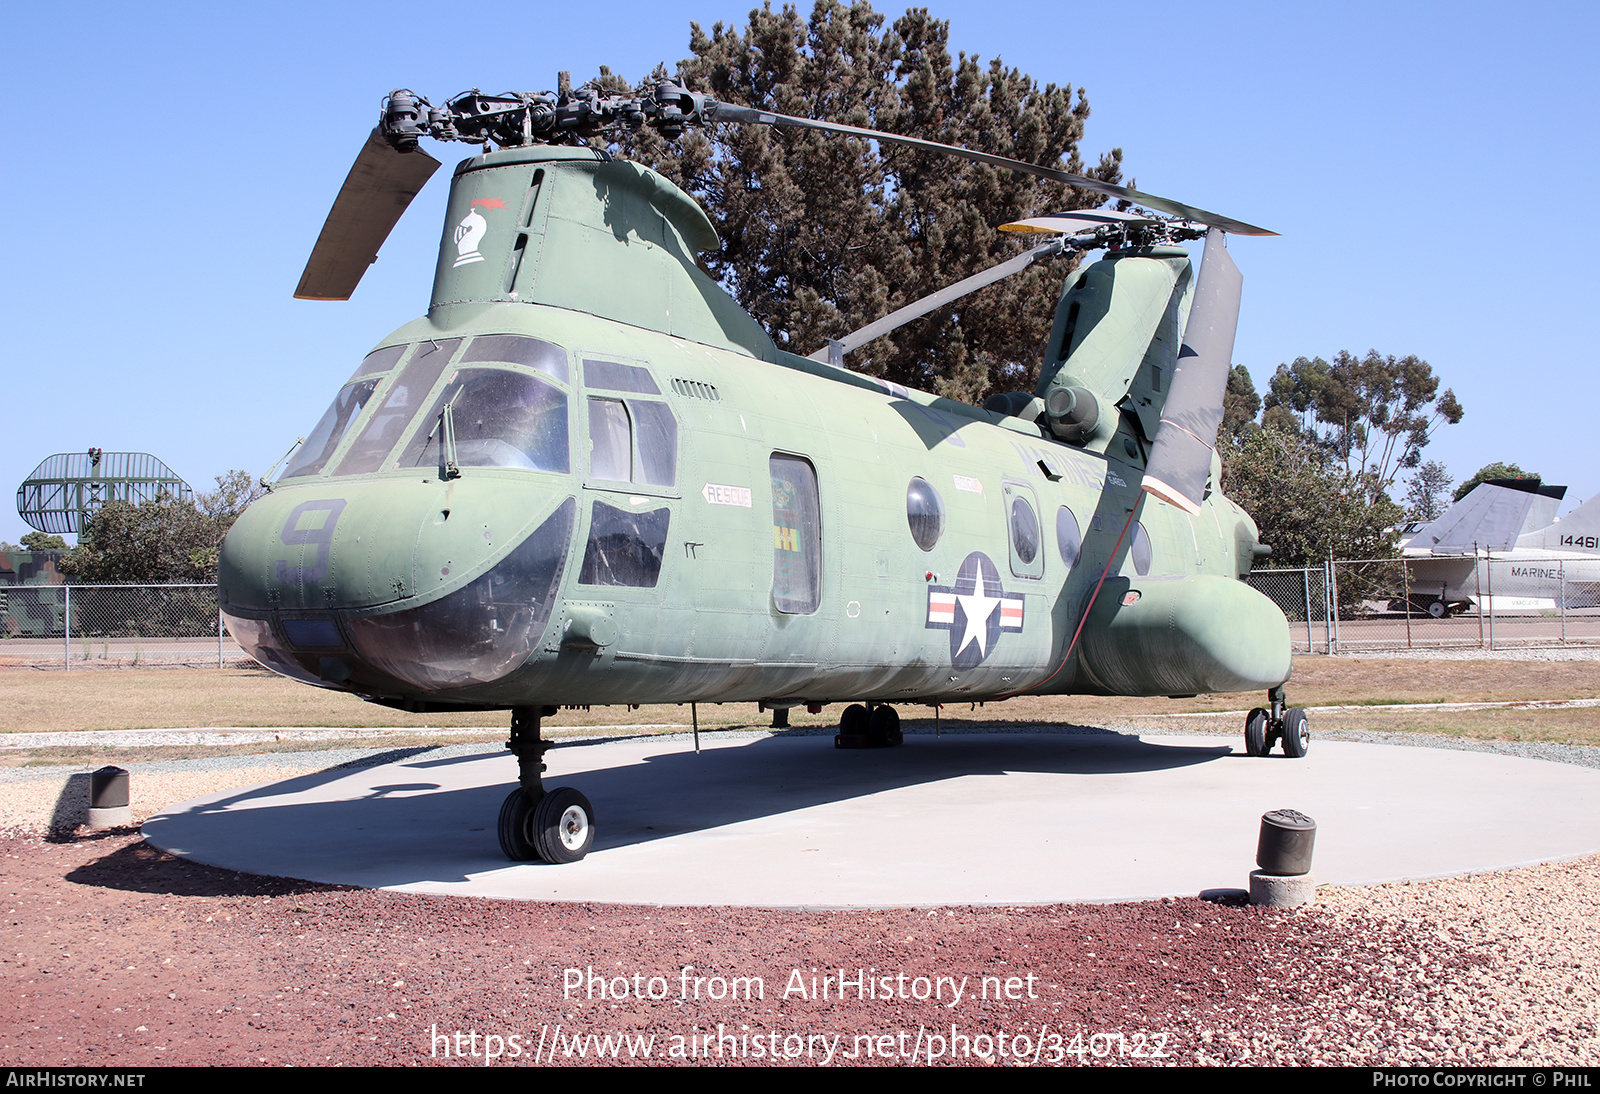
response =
{"points": [[108, 799], [1283, 854]]}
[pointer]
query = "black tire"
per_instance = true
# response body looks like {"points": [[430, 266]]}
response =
{"points": [[564, 824], [1255, 733], [883, 726], [1296, 733], [853, 722], [1438, 609], [516, 828]]}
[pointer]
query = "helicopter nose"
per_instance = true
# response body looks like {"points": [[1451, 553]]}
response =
{"points": [[391, 588]]}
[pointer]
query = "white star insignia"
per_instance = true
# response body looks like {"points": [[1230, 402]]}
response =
{"points": [[978, 606]]}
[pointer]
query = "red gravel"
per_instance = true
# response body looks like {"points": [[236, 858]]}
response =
{"points": [[116, 954]]}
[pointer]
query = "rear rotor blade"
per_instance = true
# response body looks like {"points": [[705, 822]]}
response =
{"points": [[1180, 459], [917, 309], [374, 195], [720, 111]]}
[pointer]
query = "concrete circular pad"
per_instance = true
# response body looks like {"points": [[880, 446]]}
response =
{"points": [[965, 819]]}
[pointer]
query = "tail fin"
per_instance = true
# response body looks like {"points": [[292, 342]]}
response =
{"points": [[1497, 515], [1579, 530]]}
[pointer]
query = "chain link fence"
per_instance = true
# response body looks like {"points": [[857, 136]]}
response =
{"points": [[1473, 602], [1303, 597], [1342, 606], [114, 625]]}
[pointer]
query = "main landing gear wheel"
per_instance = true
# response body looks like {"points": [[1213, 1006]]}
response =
{"points": [[1438, 609], [853, 722], [860, 728], [1255, 733], [1296, 733], [1265, 727], [563, 824], [883, 727]]}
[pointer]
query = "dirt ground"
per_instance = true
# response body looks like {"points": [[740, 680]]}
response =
{"points": [[33, 700], [115, 954]]}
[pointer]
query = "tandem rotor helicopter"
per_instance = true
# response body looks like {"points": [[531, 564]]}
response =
{"points": [[587, 476]]}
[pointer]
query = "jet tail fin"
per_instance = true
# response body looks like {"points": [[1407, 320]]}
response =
{"points": [[1579, 530], [1495, 516]]}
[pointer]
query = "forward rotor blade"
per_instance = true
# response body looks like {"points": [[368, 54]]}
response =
{"points": [[374, 195], [915, 310], [1076, 221], [720, 111], [1180, 459]]}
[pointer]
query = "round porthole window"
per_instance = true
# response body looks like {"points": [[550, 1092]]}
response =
{"points": [[1141, 550], [1068, 537], [1024, 531], [924, 513]]}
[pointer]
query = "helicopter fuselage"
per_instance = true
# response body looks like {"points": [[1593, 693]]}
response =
{"points": [[528, 498]]}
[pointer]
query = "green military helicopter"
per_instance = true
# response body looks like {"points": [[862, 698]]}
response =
{"points": [[586, 476]]}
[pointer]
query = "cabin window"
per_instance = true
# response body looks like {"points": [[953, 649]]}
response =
{"points": [[796, 535], [1140, 551], [502, 419], [925, 513], [400, 405], [624, 548], [1027, 560], [1069, 540]]}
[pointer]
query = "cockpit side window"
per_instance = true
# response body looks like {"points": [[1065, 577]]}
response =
{"points": [[399, 406], [501, 418], [610, 440], [615, 376], [631, 439], [655, 460]]}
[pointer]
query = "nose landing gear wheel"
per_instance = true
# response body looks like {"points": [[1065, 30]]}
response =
{"points": [[1255, 733], [559, 828], [563, 824], [516, 828], [1296, 733]]}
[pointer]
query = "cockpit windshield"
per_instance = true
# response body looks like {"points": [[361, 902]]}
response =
{"points": [[509, 411], [501, 418], [324, 440]]}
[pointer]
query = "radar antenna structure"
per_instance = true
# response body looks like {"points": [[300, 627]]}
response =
{"points": [[67, 488]]}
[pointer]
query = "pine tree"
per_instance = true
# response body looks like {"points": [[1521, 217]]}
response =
{"points": [[823, 234]]}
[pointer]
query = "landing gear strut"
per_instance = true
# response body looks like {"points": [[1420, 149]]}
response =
{"points": [[875, 725], [557, 825], [1264, 728]]}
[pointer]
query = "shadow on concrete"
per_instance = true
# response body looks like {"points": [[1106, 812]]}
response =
{"points": [[439, 831]]}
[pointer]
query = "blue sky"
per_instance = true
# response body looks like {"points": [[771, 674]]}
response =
{"points": [[1430, 168]]}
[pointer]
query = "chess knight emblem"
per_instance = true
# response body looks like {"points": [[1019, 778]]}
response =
{"points": [[974, 610], [470, 232]]}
